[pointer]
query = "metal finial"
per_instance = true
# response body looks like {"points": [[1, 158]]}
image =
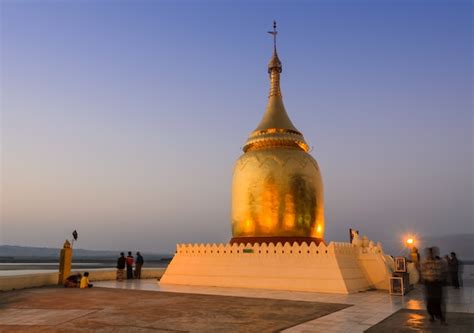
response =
{"points": [[274, 33]]}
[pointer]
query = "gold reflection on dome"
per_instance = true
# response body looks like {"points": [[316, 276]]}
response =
{"points": [[289, 221], [277, 188], [249, 226]]}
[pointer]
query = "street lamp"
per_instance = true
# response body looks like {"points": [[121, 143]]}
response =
{"points": [[410, 243]]}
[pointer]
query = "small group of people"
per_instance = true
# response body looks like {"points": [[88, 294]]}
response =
{"points": [[78, 281], [436, 273], [127, 263]]}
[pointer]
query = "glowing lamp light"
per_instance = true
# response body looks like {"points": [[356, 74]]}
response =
{"points": [[410, 242]]}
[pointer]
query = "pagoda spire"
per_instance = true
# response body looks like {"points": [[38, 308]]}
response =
{"points": [[274, 66], [275, 128]]}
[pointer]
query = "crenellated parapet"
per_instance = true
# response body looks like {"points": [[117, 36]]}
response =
{"points": [[265, 249]]}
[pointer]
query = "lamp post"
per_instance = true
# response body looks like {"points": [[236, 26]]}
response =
{"points": [[414, 255]]}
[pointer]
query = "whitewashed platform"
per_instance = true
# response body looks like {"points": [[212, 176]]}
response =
{"points": [[335, 268]]}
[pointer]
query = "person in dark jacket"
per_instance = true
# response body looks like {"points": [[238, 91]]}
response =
{"points": [[129, 261], [432, 275], [121, 267], [138, 266], [453, 265]]}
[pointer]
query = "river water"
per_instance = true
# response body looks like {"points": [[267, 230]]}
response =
{"points": [[22, 268]]}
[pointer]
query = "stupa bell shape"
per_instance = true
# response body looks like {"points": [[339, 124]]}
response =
{"points": [[277, 190]]}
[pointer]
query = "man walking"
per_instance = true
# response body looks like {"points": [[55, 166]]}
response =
{"points": [[121, 267], [129, 261], [138, 266], [432, 275]]}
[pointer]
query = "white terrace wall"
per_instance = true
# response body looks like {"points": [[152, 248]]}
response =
{"points": [[350, 268], [376, 266], [28, 281], [51, 279], [333, 268]]}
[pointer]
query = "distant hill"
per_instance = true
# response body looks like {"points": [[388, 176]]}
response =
{"points": [[13, 251]]}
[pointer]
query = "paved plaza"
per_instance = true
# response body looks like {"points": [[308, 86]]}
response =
{"points": [[367, 310], [406, 320], [145, 306]]}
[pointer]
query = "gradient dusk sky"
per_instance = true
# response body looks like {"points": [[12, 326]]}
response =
{"points": [[123, 119]]}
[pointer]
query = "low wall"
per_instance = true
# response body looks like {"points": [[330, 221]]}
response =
{"points": [[110, 274], [50, 279], [28, 281]]}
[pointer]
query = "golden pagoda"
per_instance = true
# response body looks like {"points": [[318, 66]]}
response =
{"points": [[278, 221], [277, 190]]}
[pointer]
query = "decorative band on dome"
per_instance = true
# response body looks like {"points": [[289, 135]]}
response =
{"points": [[268, 144], [276, 137], [275, 130]]}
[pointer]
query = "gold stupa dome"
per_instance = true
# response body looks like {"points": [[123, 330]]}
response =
{"points": [[277, 191]]}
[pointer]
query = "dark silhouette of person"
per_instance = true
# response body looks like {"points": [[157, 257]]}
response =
{"points": [[73, 281], [121, 267], [129, 261], [432, 272], [453, 265], [138, 266]]}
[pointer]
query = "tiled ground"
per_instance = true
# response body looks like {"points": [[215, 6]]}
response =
{"points": [[145, 306], [14, 316], [408, 321], [55, 309], [369, 307]]}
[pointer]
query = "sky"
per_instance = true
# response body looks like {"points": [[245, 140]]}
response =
{"points": [[123, 119]]}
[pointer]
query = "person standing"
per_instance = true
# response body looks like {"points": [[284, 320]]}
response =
{"points": [[432, 274], [454, 270], [121, 267], [444, 277], [129, 261], [138, 266], [446, 260]]}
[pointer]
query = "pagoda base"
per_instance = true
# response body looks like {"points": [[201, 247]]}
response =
{"points": [[336, 268], [275, 240]]}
